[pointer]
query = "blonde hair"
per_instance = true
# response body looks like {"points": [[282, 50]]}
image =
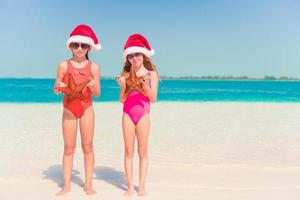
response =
{"points": [[148, 64]]}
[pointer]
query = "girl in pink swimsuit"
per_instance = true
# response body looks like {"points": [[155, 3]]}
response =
{"points": [[79, 80], [139, 83]]}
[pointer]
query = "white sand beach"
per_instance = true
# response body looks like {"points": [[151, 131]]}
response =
{"points": [[209, 151]]}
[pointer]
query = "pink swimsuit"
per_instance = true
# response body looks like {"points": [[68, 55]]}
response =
{"points": [[77, 106], [136, 106]]}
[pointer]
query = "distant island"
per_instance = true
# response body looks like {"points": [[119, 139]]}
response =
{"points": [[211, 77]]}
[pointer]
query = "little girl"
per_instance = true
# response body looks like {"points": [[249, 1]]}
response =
{"points": [[139, 83], [79, 79]]}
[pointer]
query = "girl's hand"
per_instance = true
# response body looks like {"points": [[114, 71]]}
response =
{"points": [[92, 82], [121, 81], [59, 85], [146, 82]]}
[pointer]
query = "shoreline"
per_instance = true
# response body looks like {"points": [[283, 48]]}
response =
{"points": [[166, 102]]}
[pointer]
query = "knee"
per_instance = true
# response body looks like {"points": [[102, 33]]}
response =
{"points": [[129, 152], [143, 153], [69, 150], [87, 148]]}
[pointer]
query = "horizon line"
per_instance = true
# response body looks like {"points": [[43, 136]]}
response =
{"points": [[242, 77]]}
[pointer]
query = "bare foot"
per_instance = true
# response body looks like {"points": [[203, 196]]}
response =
{"points": [[141, 191], [129, 192], [89, 190], [63, 191]]}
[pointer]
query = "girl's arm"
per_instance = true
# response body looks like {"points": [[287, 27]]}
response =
{"points": [[61, 70], [121, 82], [150, 87], [94, 84], [121, 97]]}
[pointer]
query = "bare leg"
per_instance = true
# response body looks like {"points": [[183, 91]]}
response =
{"points": [[142, 129], [129, 137], [69, 126], [87, 124]]}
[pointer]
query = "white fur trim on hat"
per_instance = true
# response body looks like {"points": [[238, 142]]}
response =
{"points": [[83, 39], [152, 52], [97, 46], [142, 50]]}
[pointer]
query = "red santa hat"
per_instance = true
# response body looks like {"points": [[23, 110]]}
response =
{"points": [[137, 43], [84, 34]]}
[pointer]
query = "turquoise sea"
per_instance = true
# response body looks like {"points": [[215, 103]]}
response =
{"points": [[40, 90]]}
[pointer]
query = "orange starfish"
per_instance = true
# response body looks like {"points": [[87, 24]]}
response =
{"points": [[73, 90], [133, 82]]}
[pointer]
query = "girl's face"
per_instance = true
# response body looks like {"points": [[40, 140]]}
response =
{"points": [[80, 49], [135, 59]]}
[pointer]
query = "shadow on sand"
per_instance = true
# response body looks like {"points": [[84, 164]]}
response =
{"points": [[55, 174], [107, 174], [111, 176]]}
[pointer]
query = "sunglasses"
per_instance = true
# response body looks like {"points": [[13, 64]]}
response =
{"points": [[130, 56], [76, 45]]}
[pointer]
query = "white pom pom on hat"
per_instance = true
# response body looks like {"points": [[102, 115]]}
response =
{"points": [[84, 34], [137, 43]]}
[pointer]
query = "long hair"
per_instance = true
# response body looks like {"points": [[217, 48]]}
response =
{"points": [[148, 64]]}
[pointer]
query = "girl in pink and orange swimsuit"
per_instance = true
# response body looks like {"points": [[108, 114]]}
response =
{"points": [[139, 84]]}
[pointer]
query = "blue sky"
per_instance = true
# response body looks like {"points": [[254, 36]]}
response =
{"points": [[212, 37]]}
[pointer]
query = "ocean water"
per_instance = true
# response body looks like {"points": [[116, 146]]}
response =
{"points": [[40, 90]]}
